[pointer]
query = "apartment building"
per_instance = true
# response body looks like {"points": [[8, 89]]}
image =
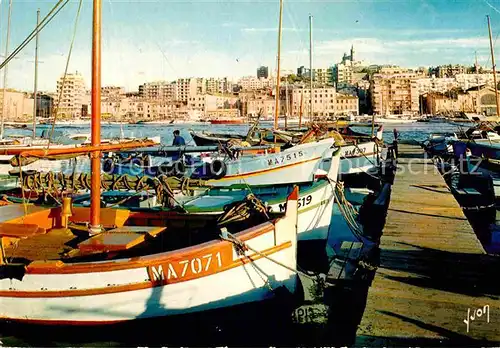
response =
{"points": [[449, 70], [260, 104], [323, 77], [346, 104], [250, 83], [187, 87], [323, 101], [18, 105], [433, 84], [72, 92], [112, 91], [206, 103], [158, 90], [218, 85], [141, 109], [394, 93]]}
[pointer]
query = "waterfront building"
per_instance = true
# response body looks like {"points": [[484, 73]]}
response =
{"points": [[323, 101], [18, 105], [158, 90], [394, 93], [72, 92], [346, 104]]}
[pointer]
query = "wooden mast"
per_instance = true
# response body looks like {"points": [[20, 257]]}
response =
{"points": [[277, 106], [494, 68], [311, 110], [2, 119], [35, 88], [301, 108], [286, 104], [95, 164]]}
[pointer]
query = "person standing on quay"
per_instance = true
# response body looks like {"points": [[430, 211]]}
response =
{"points": [[395, 142]]}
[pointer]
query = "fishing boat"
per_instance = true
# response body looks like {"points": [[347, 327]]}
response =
{"points": [[204, 138], [227, 121], [135, 270], [294, 165]]}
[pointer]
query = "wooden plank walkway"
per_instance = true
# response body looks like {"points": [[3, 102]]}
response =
{"points": [[432, 268]]}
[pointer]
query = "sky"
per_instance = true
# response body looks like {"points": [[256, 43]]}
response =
{"points": [[167, 39]]}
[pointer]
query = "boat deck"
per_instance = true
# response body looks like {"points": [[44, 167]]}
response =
{"points": [[433, 270]]}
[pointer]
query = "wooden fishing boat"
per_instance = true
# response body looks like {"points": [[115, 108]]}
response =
{"points": [[206, 139], [92, 266], [227, 121], [293, 165], [145, 265]]}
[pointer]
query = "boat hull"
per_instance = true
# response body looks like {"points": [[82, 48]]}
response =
{"points": [[295, 165], [235, 286], [361, 158]]}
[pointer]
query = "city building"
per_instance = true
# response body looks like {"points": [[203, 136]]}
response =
{"points": [[394, 94], [45, 104], [303, 72], [436, 103], [323, 77], [263, 72], [323, 101], [250, 83], [433, 84], [18, 105], [159, 90], [346, 104], [343, 72], [187, 87], [112, 91], [206, 103], [260, 105], [219, 86], [449, 70], [72, 92]]}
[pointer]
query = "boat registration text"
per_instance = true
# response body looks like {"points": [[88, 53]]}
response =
{"points": [[187, 268], [284, 158]]}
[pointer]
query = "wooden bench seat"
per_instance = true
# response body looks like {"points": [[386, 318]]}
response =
{"points": [[118, 239], [20, 230]]}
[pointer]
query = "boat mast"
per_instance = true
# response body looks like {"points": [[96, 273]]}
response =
{"points": [[311, 69], [2, 119], [95, 164], [301, 108], [494, 68], [286, 104], [277, 106], [35, 88], [477, 81]]}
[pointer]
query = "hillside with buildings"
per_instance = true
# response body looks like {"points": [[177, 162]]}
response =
{"points": [[348, 87]]}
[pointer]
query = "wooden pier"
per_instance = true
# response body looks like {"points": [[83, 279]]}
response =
{"points": [[433, 270]]}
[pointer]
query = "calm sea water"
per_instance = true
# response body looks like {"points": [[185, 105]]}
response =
{"points": [[408, 131], [253, 327]]}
